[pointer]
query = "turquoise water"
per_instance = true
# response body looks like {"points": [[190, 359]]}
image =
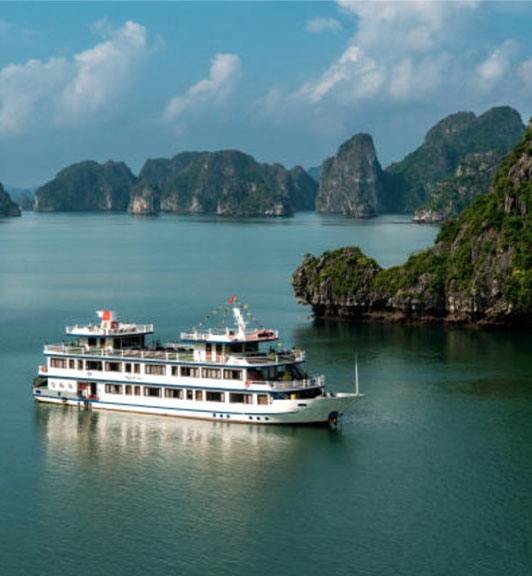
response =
{"points": [[430, 473]]}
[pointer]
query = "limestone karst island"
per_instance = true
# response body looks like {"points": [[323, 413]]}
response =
{"points": [[479, 271]]}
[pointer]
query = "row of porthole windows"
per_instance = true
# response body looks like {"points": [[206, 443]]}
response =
{"points": [[228, 416], [151, 369], [188, 394]]}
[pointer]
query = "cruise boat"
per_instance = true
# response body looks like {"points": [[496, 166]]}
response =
{"points": [[233, 373]]}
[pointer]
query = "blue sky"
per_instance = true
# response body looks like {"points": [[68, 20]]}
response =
{"points": [[285, 82]]}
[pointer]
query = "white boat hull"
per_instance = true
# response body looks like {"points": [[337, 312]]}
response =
{"points": [[319, 410]]}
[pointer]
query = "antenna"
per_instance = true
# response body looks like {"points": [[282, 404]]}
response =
{"points": [[356, 374]]}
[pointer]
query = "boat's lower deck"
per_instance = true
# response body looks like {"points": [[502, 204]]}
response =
{"points": [[249, 408]]}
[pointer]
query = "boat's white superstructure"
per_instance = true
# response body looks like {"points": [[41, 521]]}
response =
{"points": [[232, 374]]}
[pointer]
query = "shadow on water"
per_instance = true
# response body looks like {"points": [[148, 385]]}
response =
{"points": [[459, 360]]}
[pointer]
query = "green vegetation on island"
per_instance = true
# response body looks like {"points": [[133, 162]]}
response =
{"points": [[478, 272]]}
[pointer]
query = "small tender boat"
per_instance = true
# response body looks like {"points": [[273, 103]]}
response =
{"points": [[234, 374]]}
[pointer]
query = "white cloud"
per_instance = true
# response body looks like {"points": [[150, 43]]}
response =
{"points": [[103, 73], [319, 25], [496, 66], [26, 92], [525, 75], [212, 90], [70, 91], [399, 51]]}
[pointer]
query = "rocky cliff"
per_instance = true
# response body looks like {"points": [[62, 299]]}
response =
{"points": [[479, 272], [87, 186], [415, 178], [453, 194], [228, 183], [8, 208], [352, 182]]}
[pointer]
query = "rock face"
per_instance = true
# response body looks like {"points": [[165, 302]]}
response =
{"points": [[144, 200], [228, 183], [352, 182], [471, 179], [8, 208], [415, 178], [87, 186], [479, 271]]}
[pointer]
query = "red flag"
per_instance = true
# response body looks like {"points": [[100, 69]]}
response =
{"points": [[233, 298]]}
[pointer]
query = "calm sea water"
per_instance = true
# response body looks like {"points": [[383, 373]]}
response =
{"points": [[430, 474]]}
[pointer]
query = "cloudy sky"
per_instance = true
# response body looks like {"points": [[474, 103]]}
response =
{"points": [[285, 82]]}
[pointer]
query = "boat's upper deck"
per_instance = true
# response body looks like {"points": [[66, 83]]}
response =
{"points": [[96, 331], [109, 327], [239, 334], [230, 336]]}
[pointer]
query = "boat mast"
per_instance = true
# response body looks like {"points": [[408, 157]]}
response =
{"points": [[356, 374]]}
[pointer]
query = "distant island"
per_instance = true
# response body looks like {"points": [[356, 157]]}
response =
{"points": [[478, 273], [428, 181], [226, 183], [454, 164]]}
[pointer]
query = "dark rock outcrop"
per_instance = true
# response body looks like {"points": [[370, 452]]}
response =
{"points": [[352, 182], [228, 183], [87, 186], [8, 208], [471, 179], [479, 271], [415, 178]]}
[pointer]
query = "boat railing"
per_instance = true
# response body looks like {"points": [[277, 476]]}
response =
{"points": [[97, 330], [311, 382], [271, 358], [230, 335], [141, 353]]}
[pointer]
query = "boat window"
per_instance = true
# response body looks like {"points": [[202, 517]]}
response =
{"points": [[233, 374], [129, 389], [72, 364], [262, 399], [132, 341], [189, 371], [159, 369], [113, 388], [58, 362], [212, 372], [113, 367], [80, 364], [239, 398], [136, 368], [199, 395], [127, 367], [152, 391], [173, 393], [190, 394], [214, 396], [94, 365], [92, 341], [137, 390]]}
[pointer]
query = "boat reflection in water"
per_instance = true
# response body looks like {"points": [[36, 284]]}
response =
{"points": [[132, 446]]}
